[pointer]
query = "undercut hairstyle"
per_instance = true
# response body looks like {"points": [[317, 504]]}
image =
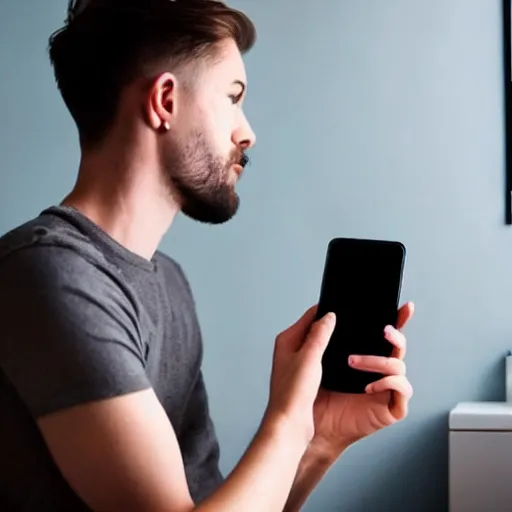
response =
{"points": [[106, 44]]}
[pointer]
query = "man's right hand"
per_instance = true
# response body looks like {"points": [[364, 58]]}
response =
{"points": [[297, 371]]}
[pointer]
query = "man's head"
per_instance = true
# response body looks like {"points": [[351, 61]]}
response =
{"points": [[171, 70]]}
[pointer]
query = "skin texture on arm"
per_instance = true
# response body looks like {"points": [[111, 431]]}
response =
{"points": [[121, 454], [315, 463], [312, 468]]}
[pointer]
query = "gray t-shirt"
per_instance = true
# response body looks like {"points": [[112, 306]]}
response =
{"points": [[83, 319]]}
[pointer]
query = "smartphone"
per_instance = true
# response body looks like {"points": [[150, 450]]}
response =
{"points": [[361, 284]]}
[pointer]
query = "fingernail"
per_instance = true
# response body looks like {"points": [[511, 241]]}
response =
{"points": [[388, 329], [369, 389], [352, 360], [330, 318]]}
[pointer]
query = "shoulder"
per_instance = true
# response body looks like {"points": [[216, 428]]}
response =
{"points": [[48, 238], [172, 272], [169, 265], [47, 259]]}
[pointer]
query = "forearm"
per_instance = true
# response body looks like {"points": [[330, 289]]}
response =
{"points": [[264, 476], [312, 468]]}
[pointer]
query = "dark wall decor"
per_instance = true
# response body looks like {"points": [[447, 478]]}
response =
{"points": [[507, 54]]}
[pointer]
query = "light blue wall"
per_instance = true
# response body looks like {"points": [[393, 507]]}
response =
{"points": [[375, 119]]}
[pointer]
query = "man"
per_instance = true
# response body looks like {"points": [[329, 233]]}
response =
{"points": [[101, 392]]}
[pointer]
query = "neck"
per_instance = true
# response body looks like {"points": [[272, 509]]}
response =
{"points": [[125, 196]]}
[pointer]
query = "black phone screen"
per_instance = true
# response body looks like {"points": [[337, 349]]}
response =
{"points": [[361, 284]]}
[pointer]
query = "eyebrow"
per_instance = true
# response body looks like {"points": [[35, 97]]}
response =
{"points": [[241, 84]]}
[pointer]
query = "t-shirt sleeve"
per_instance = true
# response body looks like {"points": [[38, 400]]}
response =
{"points": [[200, 445], [68, 334]]}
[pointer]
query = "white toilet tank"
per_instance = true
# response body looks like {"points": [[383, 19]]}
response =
{"points": [[480, 457]]}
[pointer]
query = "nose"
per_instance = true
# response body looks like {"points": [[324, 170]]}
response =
{"points": [[244, 136]]}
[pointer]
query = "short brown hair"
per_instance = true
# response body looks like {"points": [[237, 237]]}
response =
{"points": [[105, 44]]}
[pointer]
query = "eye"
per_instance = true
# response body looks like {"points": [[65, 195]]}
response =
{"points": [[235, 98]]}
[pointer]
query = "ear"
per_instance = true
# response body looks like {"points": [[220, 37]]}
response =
{"points": [[160, 102]]}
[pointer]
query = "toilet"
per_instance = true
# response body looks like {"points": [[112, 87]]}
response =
{"points": [[480, 457]]}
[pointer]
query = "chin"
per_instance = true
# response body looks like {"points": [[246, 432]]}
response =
{"points": [[215, 213]]}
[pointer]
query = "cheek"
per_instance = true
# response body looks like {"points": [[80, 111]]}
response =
{"points": [[217, 117], [222, 128]]}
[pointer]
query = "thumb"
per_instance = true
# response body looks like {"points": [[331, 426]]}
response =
{"points": [[320, 334], [293, 338]]}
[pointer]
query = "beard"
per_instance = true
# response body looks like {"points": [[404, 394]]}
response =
{"points": [[201, 179]]}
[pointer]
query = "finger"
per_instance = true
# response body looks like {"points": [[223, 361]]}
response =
{"points": [[398, 340], [320, 334], [401, 392], [292, 338], [397, 383], [383, 365], [405, 313]]}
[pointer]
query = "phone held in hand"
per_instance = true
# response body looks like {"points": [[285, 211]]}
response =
{"points": [[361, 284]]}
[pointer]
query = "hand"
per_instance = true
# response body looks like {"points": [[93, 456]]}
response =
{"points": [[342, 419], [297, 372]]}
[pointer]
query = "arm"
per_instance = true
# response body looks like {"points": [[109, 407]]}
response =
{"points": [[71, 350], [122, 455], [312, 468], [342, 420]]}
